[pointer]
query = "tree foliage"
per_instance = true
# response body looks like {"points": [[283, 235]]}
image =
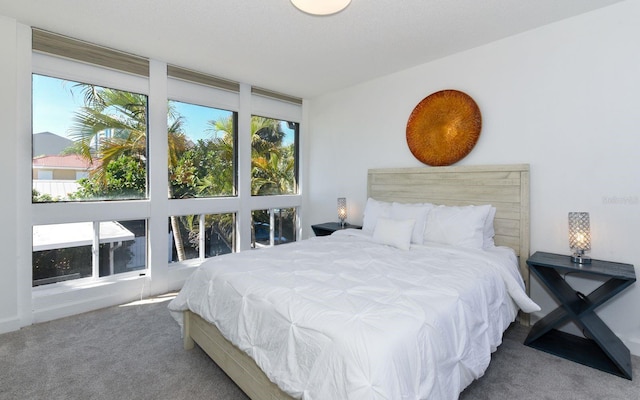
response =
{"points": [[122, 178], [111, 132]]}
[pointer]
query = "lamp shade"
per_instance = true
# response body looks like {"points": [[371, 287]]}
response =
{"points": [[342, 209], [579, 231], [321, 7]]}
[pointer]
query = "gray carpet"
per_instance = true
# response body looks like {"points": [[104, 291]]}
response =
{"points": [[135, 352]]}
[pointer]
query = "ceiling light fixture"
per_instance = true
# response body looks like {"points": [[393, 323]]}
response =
{"points": [[321, 7]]}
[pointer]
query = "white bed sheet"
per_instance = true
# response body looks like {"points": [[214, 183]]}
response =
{"points": [[342, 317]]}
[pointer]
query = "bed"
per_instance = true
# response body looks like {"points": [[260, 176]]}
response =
{"points": [[335, 348]]}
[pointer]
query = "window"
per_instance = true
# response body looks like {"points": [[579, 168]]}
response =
{"points": [[63, 252], [64, 259], [201, 236], [88, 144], [113, 178], [89, 139], [44, 174], [203, 174], [274, 156], [202, 148], [92, 132], [273, 227]]}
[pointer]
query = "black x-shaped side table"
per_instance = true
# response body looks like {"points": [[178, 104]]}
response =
{"points": [[600, 348]]}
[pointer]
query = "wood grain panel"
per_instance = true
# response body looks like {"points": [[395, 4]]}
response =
{"points": [[233, 361]]}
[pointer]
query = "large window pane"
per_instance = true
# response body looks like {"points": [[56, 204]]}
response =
{"points": [[125, 253], [201, 236], [89, 142], [63, 252], [273, 227], [202, 148], [274, 160]]}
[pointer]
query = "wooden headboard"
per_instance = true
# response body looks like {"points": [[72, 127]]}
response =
{"points": [[506, 187]]}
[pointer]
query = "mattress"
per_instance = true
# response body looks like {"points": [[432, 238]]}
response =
{"points": [[344, 317]]}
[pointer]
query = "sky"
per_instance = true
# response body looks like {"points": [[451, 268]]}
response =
{"points": [[54, 104]]}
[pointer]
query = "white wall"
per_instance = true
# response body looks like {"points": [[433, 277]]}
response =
{"points": [[562, 98], [8, 202]]}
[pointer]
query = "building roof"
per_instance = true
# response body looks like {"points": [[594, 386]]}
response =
{"points": [[71, 161]]}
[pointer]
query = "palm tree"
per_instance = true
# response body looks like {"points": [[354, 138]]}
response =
{"points": [[272, 166], [266, 134], [273, 174], [112, 124]]}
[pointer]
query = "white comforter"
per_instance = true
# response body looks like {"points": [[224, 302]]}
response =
{"points": [[341, 317]]}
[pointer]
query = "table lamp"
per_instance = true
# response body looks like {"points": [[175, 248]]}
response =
{"points": [[579, 237], [342, 210]]}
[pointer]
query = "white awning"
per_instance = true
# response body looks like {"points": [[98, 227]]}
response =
{"points": [[58, 236], [57, 189]]}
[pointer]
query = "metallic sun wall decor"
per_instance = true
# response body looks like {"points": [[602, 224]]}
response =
{"points": [[444, 127]]}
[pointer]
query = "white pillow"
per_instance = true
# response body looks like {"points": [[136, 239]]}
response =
{"points": [[396, 233], [372, 211], [415, 211], [457, 226], [488, 231]]}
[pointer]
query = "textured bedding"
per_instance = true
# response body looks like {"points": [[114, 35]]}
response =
{"points": [[343, 317]]}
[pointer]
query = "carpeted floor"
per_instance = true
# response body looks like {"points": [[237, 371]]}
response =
{"points": [[520, 372], [135, 352]]}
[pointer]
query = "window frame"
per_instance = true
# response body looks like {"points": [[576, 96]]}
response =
{"points": [[85, 74], [206, 96], [159, 88], [86, 211], [296, 186]]}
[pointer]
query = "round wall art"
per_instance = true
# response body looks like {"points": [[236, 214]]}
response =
{"points": [[444, 127]]}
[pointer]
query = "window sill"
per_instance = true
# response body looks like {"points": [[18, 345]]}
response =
{"points": [[186, 264], [85, 283]]}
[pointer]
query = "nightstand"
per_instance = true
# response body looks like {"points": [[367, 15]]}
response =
{"points": [[329, 227], [600, 348]]}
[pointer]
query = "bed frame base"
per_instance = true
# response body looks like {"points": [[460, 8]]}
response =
{"points": [[234, 362]]}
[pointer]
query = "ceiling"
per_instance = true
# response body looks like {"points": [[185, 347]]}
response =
{"points": [[272, 45]]}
